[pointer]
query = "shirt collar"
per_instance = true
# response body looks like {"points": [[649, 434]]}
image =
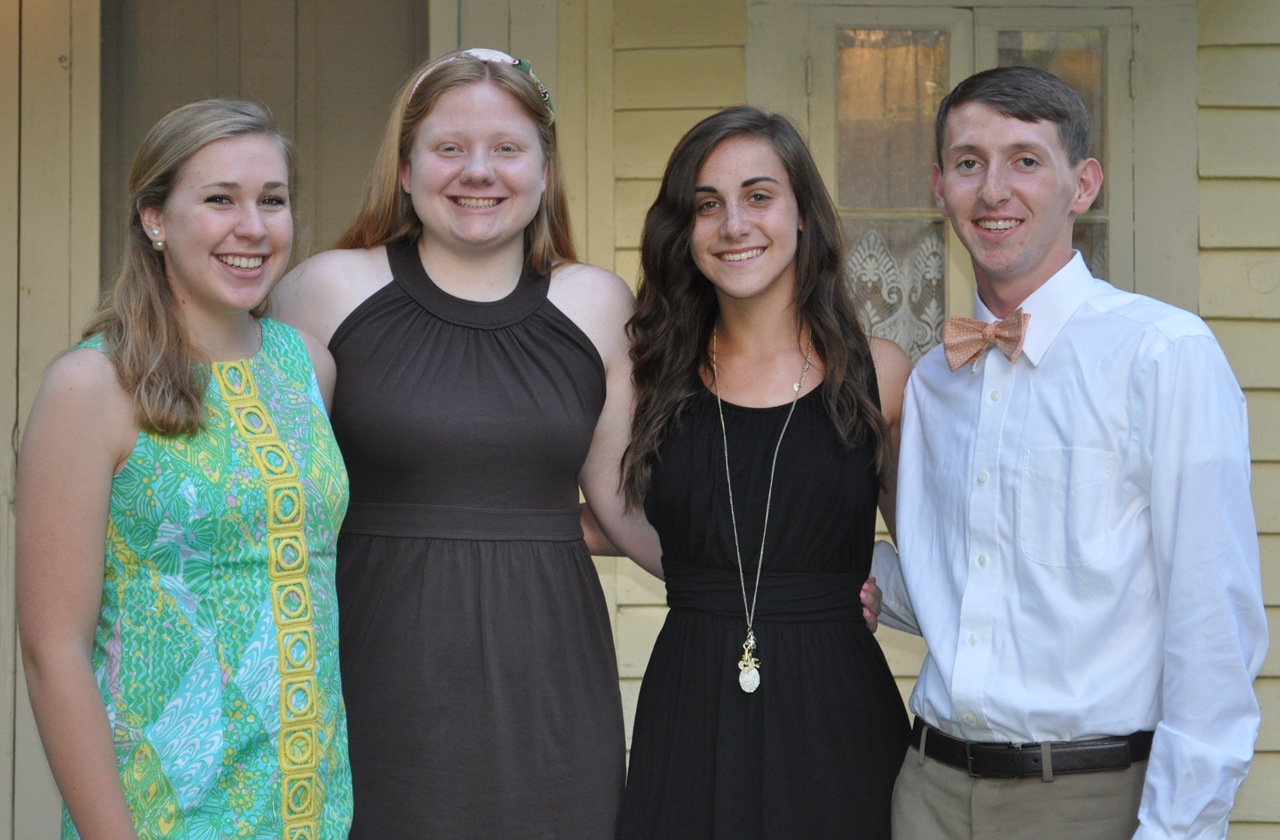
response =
{"points": [[1049, 306]]}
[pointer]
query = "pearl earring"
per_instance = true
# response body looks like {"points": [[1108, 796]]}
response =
{"points": [[156, 243]]}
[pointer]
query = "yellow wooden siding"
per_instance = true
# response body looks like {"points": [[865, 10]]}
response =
{"points": [[1240, 281], [665, 24], [1239, 296]]}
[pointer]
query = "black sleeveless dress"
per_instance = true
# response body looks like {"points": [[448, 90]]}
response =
{"points": [[814, 752], [477, 660]]}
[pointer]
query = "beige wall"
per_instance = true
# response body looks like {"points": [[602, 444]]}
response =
{"points": [[1239, 168]]}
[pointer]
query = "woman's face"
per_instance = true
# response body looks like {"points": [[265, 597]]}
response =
{"points": [[476, 172], [227, 225], [746, 223]]}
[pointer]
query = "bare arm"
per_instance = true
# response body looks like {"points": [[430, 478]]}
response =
{"points": [[893, 368], [322, 362], [600, 304], [80, 432]]}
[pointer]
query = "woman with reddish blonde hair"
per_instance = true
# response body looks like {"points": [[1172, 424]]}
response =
{"points": [[483, 377]]}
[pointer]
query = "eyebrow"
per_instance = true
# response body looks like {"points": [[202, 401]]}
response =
{"points": [[750, 182], [1016, 147], [232, 185]]}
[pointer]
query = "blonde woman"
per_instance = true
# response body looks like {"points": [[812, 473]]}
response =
{"points": [[482, 377], [179, 493]]}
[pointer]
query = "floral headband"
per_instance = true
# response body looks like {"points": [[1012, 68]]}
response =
{"points": [[490, 57]]}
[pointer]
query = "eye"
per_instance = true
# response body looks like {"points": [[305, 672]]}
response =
{"points": [[967, 165], [220, 200], [1028, 162], [709, 205], [449, 148], [759, 197], [508, 148], [275, 201]]}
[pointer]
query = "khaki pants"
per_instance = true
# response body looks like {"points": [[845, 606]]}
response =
{"points": [[934, 801]]}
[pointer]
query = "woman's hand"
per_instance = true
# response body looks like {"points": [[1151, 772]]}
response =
{"points": [[81, 431], [871, 596]]}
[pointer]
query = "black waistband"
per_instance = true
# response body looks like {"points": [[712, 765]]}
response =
{"points": [[1045, 759], [452, 522], [783, 596]]}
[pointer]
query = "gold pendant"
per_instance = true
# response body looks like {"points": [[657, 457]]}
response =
{"points": [[749, 666]]}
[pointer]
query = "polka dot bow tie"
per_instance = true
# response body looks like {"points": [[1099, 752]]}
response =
{"points": [[964, 339]]}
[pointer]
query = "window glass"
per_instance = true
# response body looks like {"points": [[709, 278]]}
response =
{"points": [[890, 82]]}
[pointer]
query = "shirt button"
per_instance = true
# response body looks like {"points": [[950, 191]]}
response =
{"points": [[995, 396], [984, 477], [982, 559], [973, 639], [970, 719]]}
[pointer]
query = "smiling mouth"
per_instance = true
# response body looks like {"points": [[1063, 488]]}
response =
{"points": [[479, 203], [997, 224], [241, 262], [742, 255]]}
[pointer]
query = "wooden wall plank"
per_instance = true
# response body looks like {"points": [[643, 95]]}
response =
{"points": [[1231, 22], [638, 627], [1266, 495], [485, 23], [1264, 425], [10, 74], [631, 201], [1269, 549], [571, 111], [607, 571], [1268, 691], [903, 651], [638, 587], [1240, 284], [1252, 348], [1239, 76], [643, 140], [86, 164], [600, 148], [626, 264], [1271, 667], [1253, 831], [630, 689], [443, 25], [1256, 801], [268, 58], [533, 37], [680, 23], [709, 77], [1239, 142], [1239, 213]]}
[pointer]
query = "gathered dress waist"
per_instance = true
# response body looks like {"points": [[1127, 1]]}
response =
{"points": [[458, 522], [784, 596]]}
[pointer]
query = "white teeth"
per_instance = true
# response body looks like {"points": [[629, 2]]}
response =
{"points": [[477, 202], [1001, 224], [744, 255], [241, 262]]}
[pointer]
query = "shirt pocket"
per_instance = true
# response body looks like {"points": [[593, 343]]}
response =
{"points": [[1063, 505]]}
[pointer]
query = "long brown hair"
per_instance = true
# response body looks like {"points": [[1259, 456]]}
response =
{"points": [[677, 307], [386, 212], [138, 319]]}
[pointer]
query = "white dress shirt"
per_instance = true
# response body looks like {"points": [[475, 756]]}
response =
{"points": [[1077, 540]]}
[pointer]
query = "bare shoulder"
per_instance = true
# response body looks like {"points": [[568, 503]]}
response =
{"points": [[598, 301], [893, 369], [81, 400], [324, 289]]}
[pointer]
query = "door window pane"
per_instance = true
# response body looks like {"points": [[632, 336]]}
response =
{"points": [[898, 269], [890, 81]]}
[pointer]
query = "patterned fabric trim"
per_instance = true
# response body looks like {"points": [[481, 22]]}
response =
{"points": [[299, 740]]}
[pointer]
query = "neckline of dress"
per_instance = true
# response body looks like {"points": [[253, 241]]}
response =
{"points": [[762, 408], [523, 300]]}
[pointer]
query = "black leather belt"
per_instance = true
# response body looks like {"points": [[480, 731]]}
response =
{"points": [[1045, 760]]}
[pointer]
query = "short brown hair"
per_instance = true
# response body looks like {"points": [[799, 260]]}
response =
{"points": [[1027, 94]]}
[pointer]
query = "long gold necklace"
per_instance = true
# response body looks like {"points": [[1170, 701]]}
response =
{"points": [[749, 665]]}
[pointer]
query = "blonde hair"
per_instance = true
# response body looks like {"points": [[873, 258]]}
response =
{"points": [[142, 330], [386, 212]]}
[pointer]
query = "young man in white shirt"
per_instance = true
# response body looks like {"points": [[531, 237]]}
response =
{"points": [[1074, 521]]}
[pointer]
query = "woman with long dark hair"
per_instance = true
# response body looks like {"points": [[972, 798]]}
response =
{"points": [[764, 437], [179, 495]]}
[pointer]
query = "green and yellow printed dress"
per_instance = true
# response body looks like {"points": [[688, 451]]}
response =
{"points": [[217, 648]]}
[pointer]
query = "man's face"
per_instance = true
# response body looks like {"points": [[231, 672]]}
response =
{"points": [[1011, 194]]}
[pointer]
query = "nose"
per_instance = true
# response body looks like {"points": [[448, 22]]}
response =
{"points": [[736, 225], [478, 169], [995, 186], [252, 225]]}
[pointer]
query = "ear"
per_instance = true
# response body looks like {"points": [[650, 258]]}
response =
{"points": [[1088, 185], [152, 221], [937, 191], [406, 177]]}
